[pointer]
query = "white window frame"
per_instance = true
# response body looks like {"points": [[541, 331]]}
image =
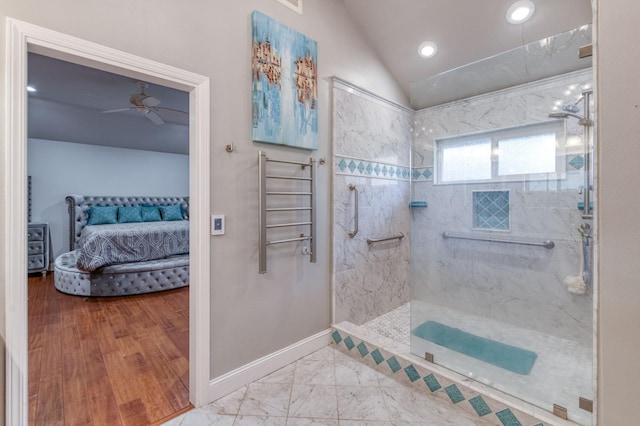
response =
{"points": [[554, 126]]}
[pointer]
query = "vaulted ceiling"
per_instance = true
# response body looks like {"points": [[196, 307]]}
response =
{"points": [[465, 31]]}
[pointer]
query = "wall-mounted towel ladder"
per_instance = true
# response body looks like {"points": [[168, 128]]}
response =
{"points": [[264, 193]]}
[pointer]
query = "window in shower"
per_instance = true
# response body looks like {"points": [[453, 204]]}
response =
{"points": [[531, 152]]}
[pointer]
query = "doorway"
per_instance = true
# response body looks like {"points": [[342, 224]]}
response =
{"points": [[22, 39]]}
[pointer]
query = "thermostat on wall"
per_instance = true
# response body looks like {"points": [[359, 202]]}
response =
{"points": [[217, 224]]}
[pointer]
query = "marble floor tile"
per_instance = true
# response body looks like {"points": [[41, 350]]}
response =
{"points": [[361, 403], [315, 401], [266, 399], [309, 393]]}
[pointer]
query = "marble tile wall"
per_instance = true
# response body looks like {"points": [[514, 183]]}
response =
{"points": [[515, 284], [372, 140]]}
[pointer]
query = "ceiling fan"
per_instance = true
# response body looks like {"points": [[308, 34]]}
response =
{"points": [[147, 105]]}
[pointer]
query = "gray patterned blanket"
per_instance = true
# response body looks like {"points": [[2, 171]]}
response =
{"points": [[102, 245]]}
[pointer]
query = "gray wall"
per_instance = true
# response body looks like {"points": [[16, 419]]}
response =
{"points": [[618, 103], [61, 168], [252, 315]]}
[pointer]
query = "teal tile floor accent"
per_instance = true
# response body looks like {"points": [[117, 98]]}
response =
{"points": [[394, 365], [480, 406], [412, 373], [377, 356], [508, 418], [336, 336], [349, 342], [432, 383], [362, 348], [454, 394]]}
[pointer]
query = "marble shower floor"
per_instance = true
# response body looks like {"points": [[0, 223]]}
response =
{"points": [[327, 388], [562, 371]]}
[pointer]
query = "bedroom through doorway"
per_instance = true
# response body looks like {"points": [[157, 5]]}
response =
{"points": [[103, 360]]}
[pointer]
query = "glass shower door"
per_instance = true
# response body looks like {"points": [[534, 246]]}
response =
{"points": [[498, 259]]}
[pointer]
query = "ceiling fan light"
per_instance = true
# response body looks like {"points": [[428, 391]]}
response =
{"points": [[520, 11]]}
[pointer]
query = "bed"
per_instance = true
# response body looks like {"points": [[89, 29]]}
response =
{"points": [[124, 245]]}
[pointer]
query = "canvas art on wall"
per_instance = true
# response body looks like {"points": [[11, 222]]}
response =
{"points": [[285, 90]]}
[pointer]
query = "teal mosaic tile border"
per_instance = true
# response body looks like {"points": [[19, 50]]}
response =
{"points": [[575, 162], [455, 393], [422, 174], [372, 169]]}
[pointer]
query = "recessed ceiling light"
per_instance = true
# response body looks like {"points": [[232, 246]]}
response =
{"points": [[520, 11], [31, 89], [428, 49]]}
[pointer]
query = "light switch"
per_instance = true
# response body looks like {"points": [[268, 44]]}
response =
{"points": [[217, 224]]}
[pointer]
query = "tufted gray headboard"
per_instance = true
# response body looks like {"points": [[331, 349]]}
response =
{"points": [[79, 204]]}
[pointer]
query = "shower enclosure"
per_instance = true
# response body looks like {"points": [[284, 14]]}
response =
{"points": [[501, 259], [491, 187]]}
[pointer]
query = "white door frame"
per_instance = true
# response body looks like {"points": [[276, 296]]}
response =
{"points": [[21, 38]]}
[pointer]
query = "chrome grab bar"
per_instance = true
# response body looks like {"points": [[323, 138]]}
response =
{"points": [[353, 233], [548, 244], [378, 240]]}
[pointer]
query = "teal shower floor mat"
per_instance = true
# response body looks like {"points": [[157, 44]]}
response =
{"points": [[509, 357]]}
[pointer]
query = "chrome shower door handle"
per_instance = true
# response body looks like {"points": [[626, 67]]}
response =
{"points": [[353, 233]]}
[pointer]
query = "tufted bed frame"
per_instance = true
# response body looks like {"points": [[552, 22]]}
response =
{"points": [[121, 279]]}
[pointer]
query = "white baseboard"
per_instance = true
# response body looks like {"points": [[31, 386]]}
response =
{"points": [[233, 380]]}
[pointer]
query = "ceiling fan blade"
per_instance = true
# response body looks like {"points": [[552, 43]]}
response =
{"points": [[154, 117], [117, 110], [173, 111], [150, 101]]}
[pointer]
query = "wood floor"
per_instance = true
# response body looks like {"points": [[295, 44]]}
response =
{"points": [[106, 361]]}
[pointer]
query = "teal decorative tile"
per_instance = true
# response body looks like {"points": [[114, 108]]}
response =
{"points": [[577, 162], [394, 365], [405, 173], [349, 342], [384, 170], [481, 407], [336, 337], [369, 168], [392, 171], [361, 167], [432, 382], [377, 169], [491, 210], [507, 418], [342, 164], [416, 174], [398, 172], [427, 173], [454, 394], [412, 373], [352, 166], [539, 424], [377, 356], [362, 348]]}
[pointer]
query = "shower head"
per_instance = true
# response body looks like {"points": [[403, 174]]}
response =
{"points": [[564, 115]]}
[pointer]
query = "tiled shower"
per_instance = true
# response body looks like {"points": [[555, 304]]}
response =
{"points": [[509, 293]]}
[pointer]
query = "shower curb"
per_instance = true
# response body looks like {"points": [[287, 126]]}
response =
{"points": [[473, 397]]}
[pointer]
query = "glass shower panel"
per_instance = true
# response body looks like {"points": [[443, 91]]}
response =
{"points": [[499, 292]]}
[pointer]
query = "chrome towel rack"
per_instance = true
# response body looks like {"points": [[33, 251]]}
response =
{"points": [[379, 240], [548, 244], [352, 187], [262, 204]]}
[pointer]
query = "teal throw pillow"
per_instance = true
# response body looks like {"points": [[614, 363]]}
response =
{"points": [[102, 215], [129, 214], [172, 212], [150, 214]]}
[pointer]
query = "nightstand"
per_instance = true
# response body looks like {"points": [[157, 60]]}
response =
{"points": [[38, 248]]}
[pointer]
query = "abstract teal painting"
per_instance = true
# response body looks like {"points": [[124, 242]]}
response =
{"points": [[285, 84]]}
